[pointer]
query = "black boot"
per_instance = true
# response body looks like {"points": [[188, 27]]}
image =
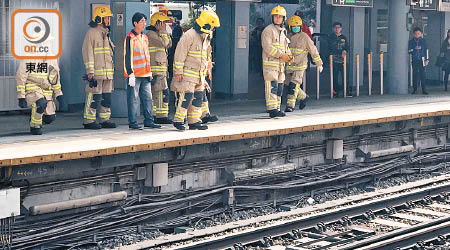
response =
{"points": [[280, 113], [424, 91], [92, 125], [273, 113], [445, 87], [36, 131], [179, 125], [198, 125], [303, 102], [108, 124], [209, 118], [414, 92], [288, 109], [163, 120]]}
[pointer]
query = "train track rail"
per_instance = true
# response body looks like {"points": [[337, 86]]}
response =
{"points": [[383, 223]]}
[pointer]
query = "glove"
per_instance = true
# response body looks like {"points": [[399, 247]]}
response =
{"points": [[285, 57], [60, 101], [320, 68], [22, 103], [132, 81], [92, 81]]}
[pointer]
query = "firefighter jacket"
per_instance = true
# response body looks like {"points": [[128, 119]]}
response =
{"points": [[300, 46], [98, 52], [274, 43], [136, 55], [191, 60], [43, 78], [158, 45]]}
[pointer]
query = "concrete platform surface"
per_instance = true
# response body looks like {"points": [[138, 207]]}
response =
{"points": [[239, 120]]}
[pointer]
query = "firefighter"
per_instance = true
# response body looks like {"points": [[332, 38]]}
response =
{"points": [[300, 46], [97, 53], [206, 115], [190, 68], [38, 85], [159, 42], [275, 55]]}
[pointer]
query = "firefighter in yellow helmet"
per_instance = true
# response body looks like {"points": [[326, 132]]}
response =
{"points": [[38, 84], [191, 65], [97, 54], [300, 46], [159, 42], [275, 55]]}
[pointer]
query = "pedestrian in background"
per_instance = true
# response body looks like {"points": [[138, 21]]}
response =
{"points": [[445, 54], [417, 48]]}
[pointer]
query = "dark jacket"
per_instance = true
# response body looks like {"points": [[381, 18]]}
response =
{"points": [[337, 44], [445, 49], [418, 49]]}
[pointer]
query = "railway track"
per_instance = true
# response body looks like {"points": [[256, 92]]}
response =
{"points": [[387, 223]]}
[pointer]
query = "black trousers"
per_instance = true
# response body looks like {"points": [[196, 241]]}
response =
{"points": [[418, 75], [338, 78]]}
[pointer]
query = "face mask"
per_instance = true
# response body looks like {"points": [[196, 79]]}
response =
{"points": [[296, 29]]}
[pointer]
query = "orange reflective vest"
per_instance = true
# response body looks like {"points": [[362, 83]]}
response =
{"points": [[137, 57]]}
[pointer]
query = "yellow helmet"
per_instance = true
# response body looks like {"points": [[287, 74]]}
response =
{"points": [[278, 10], [208, 20], [158, 16], [101, 12], [295, 21]]}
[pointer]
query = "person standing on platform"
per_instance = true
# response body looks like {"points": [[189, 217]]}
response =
{"points": [[98, 57], [275, 55], [191, 65], [417, 48], [138, 73], [445, 53], [38, 85], [338, 45], [206, 114], [159, 43], [300, 46]]}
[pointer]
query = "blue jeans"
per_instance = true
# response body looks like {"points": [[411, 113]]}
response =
{"points": [[142, 90]]}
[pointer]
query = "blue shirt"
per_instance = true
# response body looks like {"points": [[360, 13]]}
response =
{"points": [[418, 49]]}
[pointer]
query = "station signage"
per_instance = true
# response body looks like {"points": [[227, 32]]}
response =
{"points": [[424, 4], [351, 3]]}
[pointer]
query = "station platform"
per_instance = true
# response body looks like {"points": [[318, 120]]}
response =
{"points": [[65, 140]]}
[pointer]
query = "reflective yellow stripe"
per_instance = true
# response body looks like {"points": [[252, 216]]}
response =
{"points": [[20, 88], [57, 86], [48, 92], [316, 59], [39, 75], [191, 73], [298, 51], [104, 115], [87, 107], [178, 65], [197, 54], [101, 50], [271, 63], [165, 36], [159, 68], [156, 49], [296, 67], [31, 86]]}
